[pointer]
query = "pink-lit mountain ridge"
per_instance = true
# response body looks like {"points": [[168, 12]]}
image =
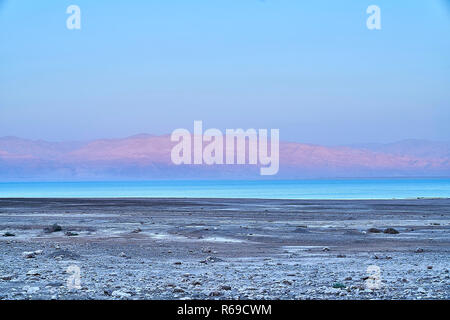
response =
{"points": [[144, 157]]}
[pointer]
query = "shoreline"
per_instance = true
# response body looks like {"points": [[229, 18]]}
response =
{"points": [[223, 199]]}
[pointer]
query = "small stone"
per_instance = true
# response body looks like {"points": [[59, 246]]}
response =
{"points": [[429, 267], [348, 279], [419, 250], [374, 230], [225, 287], [215, 294], [286, 282], [54, 228], [33, 272], [177, 263], [71, 234], [9, 234], [178, 290], [6, 277], [29, 254], [326, 249], [122, 254], [32, 290], [64, 254], [421, 290], [137, 230], [120, 294], [55, 284], [390, 231], [338, 285], [211, 259]]}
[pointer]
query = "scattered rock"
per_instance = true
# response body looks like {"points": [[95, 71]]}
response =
{"points": [[177, 263], [31, 290], [382, 257], [374, 230], [55, 284], [326, 249], [211, 259], [354, 233], [9, 234], [225, 288], [122, 254], [6, 277], [54, 228], [338, 285], [429, 267], [120, 294], [33, 272], [286, 282], [178, 290], [215, 294], [71, 234], [348, 279], [390, 231], [64, 254], [341, 256], [137, 230], [29, 254], [419, 250]]}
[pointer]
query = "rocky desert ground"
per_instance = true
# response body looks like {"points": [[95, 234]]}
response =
{"points": [[224, 249]]}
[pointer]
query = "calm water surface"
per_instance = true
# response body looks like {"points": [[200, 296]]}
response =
{"points": [[279, 189]]}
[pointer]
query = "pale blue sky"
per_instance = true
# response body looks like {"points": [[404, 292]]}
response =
{"points": [[311, 69]]}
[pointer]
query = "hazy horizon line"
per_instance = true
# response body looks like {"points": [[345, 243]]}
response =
{"points": [[142, 134]]}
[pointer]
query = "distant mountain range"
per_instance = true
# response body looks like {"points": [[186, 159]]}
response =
{"points": [[145, 157]]}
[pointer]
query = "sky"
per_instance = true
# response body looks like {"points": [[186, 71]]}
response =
{"points": [[309, 68]]}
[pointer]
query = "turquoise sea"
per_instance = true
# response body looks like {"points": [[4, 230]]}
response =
{"points": [[401, 188]]}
